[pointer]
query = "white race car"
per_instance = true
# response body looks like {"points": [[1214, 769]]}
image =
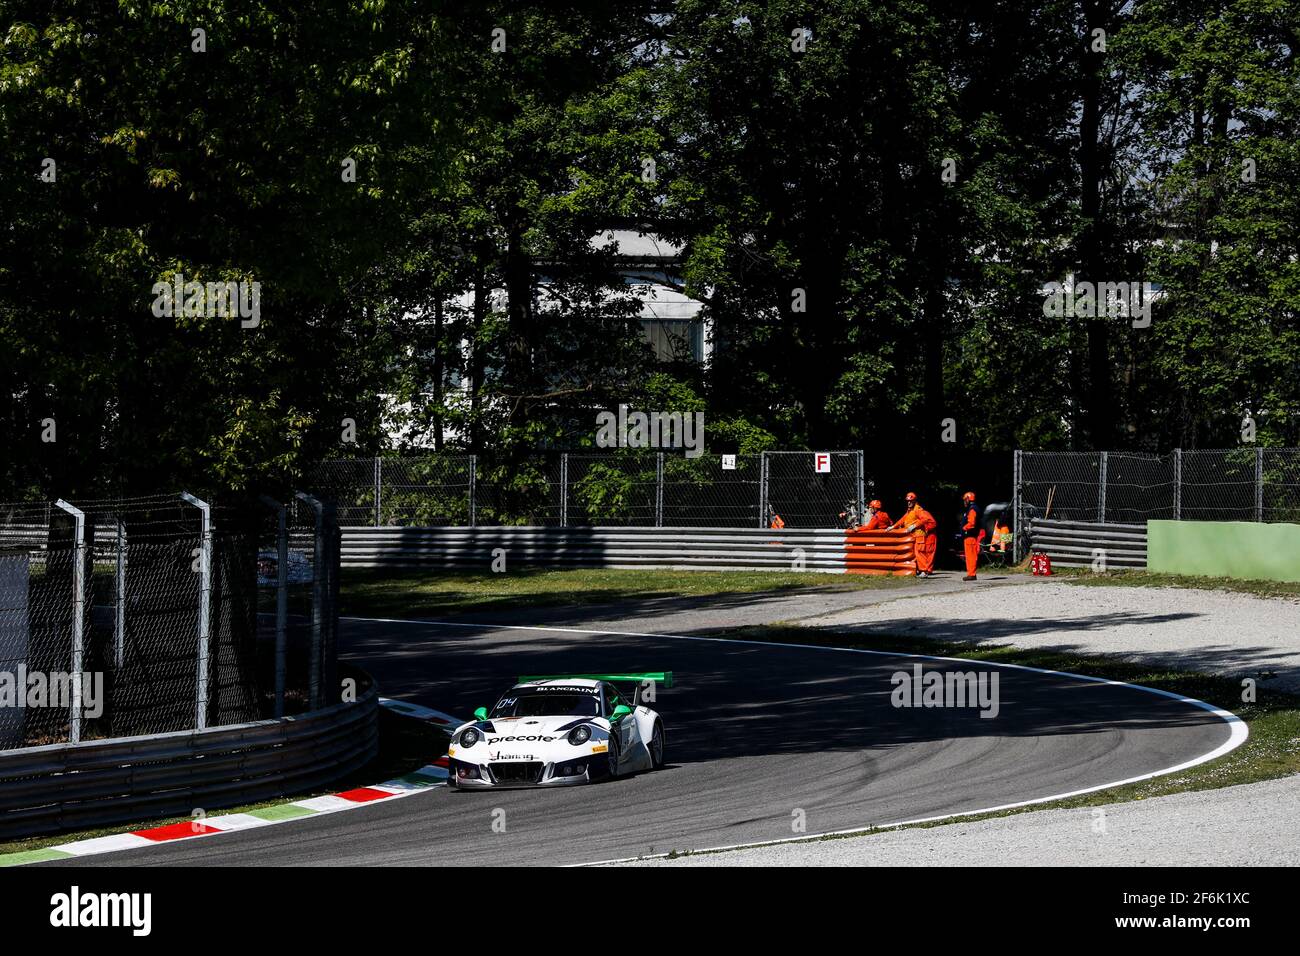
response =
{"points": [[558, 731]]}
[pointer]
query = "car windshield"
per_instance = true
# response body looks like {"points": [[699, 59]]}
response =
{"points": [[548, 705]]}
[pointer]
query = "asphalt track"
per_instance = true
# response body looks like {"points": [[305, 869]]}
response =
{"points": [[758, 736]]}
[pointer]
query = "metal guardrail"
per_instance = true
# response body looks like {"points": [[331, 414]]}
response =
{"points": [[702, 548], [1079, 544], [99, 782], [34, 539], [824, 550]]}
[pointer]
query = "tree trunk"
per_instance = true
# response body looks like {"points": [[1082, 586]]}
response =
{"points": [[438, 370], [476, 359], [1092, 265], [519, 294], [933, 326]]}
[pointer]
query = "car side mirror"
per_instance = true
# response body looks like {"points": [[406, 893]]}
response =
{"points": [[621, 711], [480, 714]]}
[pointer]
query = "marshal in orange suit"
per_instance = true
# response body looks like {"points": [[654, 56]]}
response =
{"points": [[922, 524], [970, 533], [879, 519]]}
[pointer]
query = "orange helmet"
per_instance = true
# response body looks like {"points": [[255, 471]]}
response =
{"points": [[875, 503], [911, 496], [969, 496]]}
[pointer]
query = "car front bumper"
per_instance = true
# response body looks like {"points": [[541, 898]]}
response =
{"points": [[517, 775]]}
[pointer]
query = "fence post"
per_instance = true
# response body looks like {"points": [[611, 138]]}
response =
{"points": [[1259, 484], [281, 598], [119, 603], [1101, 489], [659, 489], [379, 489], [564, 489], [473, 481], [762, 490], [332, 538], [317, 600], [1015, 506], [205, 596], [78, 615], [862, 489], [1178, 484]]}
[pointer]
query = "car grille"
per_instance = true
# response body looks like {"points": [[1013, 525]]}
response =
{"points": [[516, 772]]}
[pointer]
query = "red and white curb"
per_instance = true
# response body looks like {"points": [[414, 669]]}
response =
{"points": [[426, 777]]}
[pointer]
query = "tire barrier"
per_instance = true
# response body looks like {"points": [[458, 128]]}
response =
{"points": [[750, 549], [879, 552], [102, 782], [1080, 544]]}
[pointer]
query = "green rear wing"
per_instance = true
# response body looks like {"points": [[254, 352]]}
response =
{"points": [[659, 677]]}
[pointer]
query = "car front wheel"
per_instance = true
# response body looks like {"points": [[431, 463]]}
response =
{"points": [[613, 757], [657, 747]]}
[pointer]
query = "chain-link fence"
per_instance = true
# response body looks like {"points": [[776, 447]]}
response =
{"points": [[1232, 484], [707, 492], [141, 616], [810, 490], [618, 489], [607, 489], [429, 491]]}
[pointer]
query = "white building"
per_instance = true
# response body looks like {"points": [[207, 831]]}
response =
{"points": [[649, 268]]}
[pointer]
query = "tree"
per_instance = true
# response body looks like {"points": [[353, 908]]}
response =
{"points": [[1220, 123], [855, 194], [217, 155]]}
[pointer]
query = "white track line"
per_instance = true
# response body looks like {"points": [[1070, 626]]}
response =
{"points": [[1237, 729]]}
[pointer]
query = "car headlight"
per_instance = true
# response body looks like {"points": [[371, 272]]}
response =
{"points": [[579, 735], [469, 737]]}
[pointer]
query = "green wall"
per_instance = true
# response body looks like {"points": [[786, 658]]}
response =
{"points": [[1232, 549]]}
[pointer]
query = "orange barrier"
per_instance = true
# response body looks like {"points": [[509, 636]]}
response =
{"points": [[879, 552]]}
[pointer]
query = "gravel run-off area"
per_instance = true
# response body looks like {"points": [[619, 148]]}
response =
{"points": [[1216, 632], [1252, 825]]}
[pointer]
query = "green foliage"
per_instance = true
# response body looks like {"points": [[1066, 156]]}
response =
{"points": [[1221, 124], [217, 164], [453, 296]]}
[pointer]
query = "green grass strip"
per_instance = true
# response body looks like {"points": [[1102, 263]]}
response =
{"points": [[382, 592], [33, 856], [286, 811], [1156, 579]]}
